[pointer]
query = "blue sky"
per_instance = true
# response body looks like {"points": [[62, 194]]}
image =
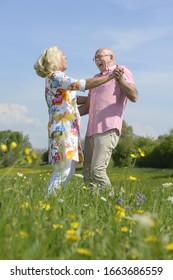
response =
{"points": [[140, 33]]}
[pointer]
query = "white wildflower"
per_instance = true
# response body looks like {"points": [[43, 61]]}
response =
{"points": [[19, 174], [78, 175], [170, 198], [166, 185], [145, 220], [103, 198]]}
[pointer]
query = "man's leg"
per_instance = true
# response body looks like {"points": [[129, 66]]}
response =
{"points": [[88, 150], [104, 143]]}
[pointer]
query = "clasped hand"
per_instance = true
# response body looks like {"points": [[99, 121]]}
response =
{"points": [[118, 72]]}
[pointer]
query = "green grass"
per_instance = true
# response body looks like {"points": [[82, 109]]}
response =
{"points": [[136, 222]]}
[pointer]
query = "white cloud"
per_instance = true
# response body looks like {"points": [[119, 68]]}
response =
{"points": [[16, 118], [159, 79], [15, 113], [133, 38], [144, 130], [137, 5]]}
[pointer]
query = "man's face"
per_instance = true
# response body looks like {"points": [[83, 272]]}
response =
{"points": [[103, 59]]}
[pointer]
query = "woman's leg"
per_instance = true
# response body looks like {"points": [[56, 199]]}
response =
{"points": [[61, 176]]}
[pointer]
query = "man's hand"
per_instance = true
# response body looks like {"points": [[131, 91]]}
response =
{"points": [[118, 72]]}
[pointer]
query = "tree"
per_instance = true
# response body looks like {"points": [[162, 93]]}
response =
{"points": [[147, 145], [121, 155], [13, 152], [162, 154]]}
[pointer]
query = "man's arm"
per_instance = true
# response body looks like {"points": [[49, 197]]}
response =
{"points": [[128, 89]]}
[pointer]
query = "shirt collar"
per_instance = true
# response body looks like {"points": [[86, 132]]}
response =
{"points": [[108, 70]]}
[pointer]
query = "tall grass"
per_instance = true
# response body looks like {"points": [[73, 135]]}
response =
{"points": [[133, 222]]}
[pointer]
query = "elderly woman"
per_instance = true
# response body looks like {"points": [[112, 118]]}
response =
{"points": [[63, 127]]}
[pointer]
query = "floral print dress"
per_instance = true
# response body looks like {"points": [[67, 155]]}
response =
{"points": [[64, 118]]}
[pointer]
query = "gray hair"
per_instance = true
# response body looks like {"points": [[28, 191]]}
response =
{"points": [[48, 62]]}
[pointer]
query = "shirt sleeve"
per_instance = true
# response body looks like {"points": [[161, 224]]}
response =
{"points": [[128, 76], [62, 80]]}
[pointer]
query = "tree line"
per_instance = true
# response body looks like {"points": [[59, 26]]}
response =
{"points": [[16, 149], [147, 152]]}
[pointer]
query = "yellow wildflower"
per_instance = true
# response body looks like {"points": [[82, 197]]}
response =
{"points": [[29, 159], [133, 155], [45, 206], [75, 225], [13, 145], [3, 147], [71, 216], [142, 154], [71, 235], [151, 238], [134, 257], [121, 212], [132, 178], [99, 231], [140, 211], [23, 234], [71, 232], [131, 222], [169, 247], [27, 151], [124, 229], [83, 251], [34, 155], [55, 226], [25, 205], [89, 233]]}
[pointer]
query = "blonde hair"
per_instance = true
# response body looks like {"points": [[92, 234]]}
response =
{"points": [[48, 62]]}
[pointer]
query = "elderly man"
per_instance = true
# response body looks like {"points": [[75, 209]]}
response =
{"points": [[105, 105]]}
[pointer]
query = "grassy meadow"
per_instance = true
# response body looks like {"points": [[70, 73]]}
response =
{"points": [[135, 222]]}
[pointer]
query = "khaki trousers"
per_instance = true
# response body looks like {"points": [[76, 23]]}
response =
{"points": [[97, 154]]}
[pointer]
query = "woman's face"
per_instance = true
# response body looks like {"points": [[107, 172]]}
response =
{"points": [[63, 62]]}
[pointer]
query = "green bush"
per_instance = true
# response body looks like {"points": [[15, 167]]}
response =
{"points": [[162, 154], [121, 154]]}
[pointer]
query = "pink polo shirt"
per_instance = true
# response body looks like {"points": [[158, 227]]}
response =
{"points": [[107, 104]]}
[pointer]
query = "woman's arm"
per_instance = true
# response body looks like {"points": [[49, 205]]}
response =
{"points": [[81, 99], [65, 82], [84, 108], [97, 81]]}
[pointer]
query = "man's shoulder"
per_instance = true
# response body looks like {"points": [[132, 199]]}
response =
{"points": [[125, 67]]}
